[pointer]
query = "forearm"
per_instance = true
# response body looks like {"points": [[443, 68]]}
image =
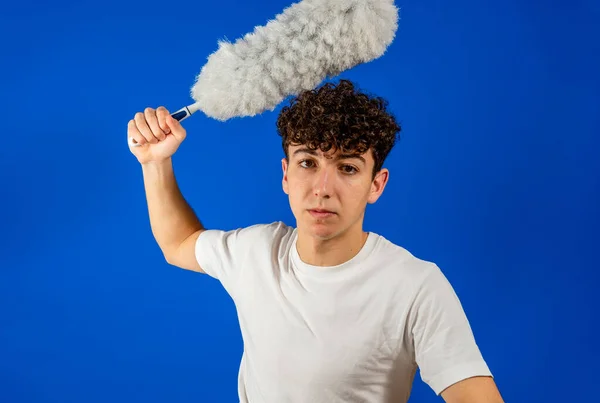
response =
{"points": [[171, 218]]}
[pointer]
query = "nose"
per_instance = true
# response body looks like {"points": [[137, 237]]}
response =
{"points": [[323, 182]]}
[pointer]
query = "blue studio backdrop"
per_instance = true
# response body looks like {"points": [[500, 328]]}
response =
{"points": [[496, 178]]}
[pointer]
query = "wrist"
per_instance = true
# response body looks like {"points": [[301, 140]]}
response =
{"points": [[157, 166]]}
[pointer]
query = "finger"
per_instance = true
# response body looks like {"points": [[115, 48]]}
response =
{"points": [[134, 133], [152, 121], [161, 114], [176, 128], [142, 126]]}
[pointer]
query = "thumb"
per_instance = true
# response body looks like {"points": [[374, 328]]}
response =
{"points": [[176, 129]]}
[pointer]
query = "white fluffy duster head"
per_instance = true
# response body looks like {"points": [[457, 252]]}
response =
{"points": [[308, 42]]}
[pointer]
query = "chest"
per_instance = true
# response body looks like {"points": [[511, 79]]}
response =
{"points": [[317, 333]]}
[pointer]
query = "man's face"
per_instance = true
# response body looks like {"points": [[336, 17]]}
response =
{"points": [[339, 183]]}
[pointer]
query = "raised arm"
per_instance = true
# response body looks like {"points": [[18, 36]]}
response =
{"points": [[174, 224]]}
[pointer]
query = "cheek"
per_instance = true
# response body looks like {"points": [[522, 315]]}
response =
{"points": [[357, 193], [296, 189], [298, 184]]}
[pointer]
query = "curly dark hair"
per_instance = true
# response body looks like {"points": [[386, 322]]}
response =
{"points": [[339, 117]]}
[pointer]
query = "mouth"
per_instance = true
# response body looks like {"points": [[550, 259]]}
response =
{"points": [[321, 213]]}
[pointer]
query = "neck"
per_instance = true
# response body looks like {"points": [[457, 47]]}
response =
{"points": [[333, 251]]}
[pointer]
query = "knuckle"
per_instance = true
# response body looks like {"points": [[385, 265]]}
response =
{"points": [[162, 114], [148, 110], [157, 131], [139, 116]]}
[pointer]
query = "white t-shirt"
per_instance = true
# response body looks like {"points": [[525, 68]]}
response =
{"points": [[355, 332]]}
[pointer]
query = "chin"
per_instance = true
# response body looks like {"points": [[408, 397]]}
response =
{"points": [[323, 234], [322, 230]]}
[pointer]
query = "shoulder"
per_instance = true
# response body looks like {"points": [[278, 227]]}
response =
{"points": [[404, 271], [250, 235], [267, 231], [423, 284], [403, 262], [220, 252]]}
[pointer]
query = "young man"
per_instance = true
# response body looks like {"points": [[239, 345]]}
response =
{"points": [[328, 312]]}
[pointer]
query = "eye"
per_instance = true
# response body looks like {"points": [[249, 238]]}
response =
{"points": [[349, 169], [304, 162]]}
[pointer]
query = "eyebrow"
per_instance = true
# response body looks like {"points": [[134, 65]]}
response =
{"points": [[338, 157]]}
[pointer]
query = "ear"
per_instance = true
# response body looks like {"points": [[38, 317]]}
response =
{"points": [[284, 181], [378, 184]]}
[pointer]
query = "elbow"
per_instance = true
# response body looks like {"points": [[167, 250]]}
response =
{"points": [[170, 259], [169, 256]]}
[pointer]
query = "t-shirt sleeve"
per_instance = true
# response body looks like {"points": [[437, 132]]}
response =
{"points": [[221, 253], [443, 341]]}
